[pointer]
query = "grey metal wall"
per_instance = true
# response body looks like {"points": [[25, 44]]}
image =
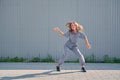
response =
{"points": [[26, 27]]}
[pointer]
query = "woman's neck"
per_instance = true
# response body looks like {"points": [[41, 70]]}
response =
{"points": [[74, 31]]}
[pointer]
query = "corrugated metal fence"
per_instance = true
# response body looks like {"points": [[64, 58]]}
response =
{"points": [[26, 27]]}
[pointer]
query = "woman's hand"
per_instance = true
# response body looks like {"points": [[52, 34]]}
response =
{"points": [[88, 46], [56, 29], [59, 31]]}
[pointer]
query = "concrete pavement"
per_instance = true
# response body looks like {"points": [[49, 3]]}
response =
{"points": [[70, 71]]}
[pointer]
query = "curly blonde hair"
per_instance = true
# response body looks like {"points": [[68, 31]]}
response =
{"points": [[78, 26]]}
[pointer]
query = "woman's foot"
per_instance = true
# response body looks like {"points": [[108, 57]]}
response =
{"points": [[83, 69], [58, 68]]}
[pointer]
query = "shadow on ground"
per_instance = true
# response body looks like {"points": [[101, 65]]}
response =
{"points": [[42, 74]]}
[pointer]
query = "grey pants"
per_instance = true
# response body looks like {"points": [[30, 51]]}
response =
{"points": [[74, 50]]}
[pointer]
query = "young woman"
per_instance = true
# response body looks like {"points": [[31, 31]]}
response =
{"points": [[74, 33]]}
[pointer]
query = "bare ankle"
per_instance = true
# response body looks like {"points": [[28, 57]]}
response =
{"points": [[82, 66], [58, 65]]}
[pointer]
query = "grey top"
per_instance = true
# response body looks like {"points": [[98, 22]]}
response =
{"points": [[73, 38]]}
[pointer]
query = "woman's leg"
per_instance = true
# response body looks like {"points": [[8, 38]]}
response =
{"points": [[62, 59], [80, 55]]}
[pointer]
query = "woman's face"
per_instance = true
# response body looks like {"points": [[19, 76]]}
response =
{"points": [[73, 26]]}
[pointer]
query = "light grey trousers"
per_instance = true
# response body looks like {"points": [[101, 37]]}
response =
{"points": [[74, 50]]}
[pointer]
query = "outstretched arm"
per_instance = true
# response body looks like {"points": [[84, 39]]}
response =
{"points": [[59, 31], [87, 43]]}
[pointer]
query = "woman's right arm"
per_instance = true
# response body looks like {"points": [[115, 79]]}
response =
{"points": [[59, 31]]}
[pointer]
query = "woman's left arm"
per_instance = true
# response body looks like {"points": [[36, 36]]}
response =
{"points": [[87, 43]]}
